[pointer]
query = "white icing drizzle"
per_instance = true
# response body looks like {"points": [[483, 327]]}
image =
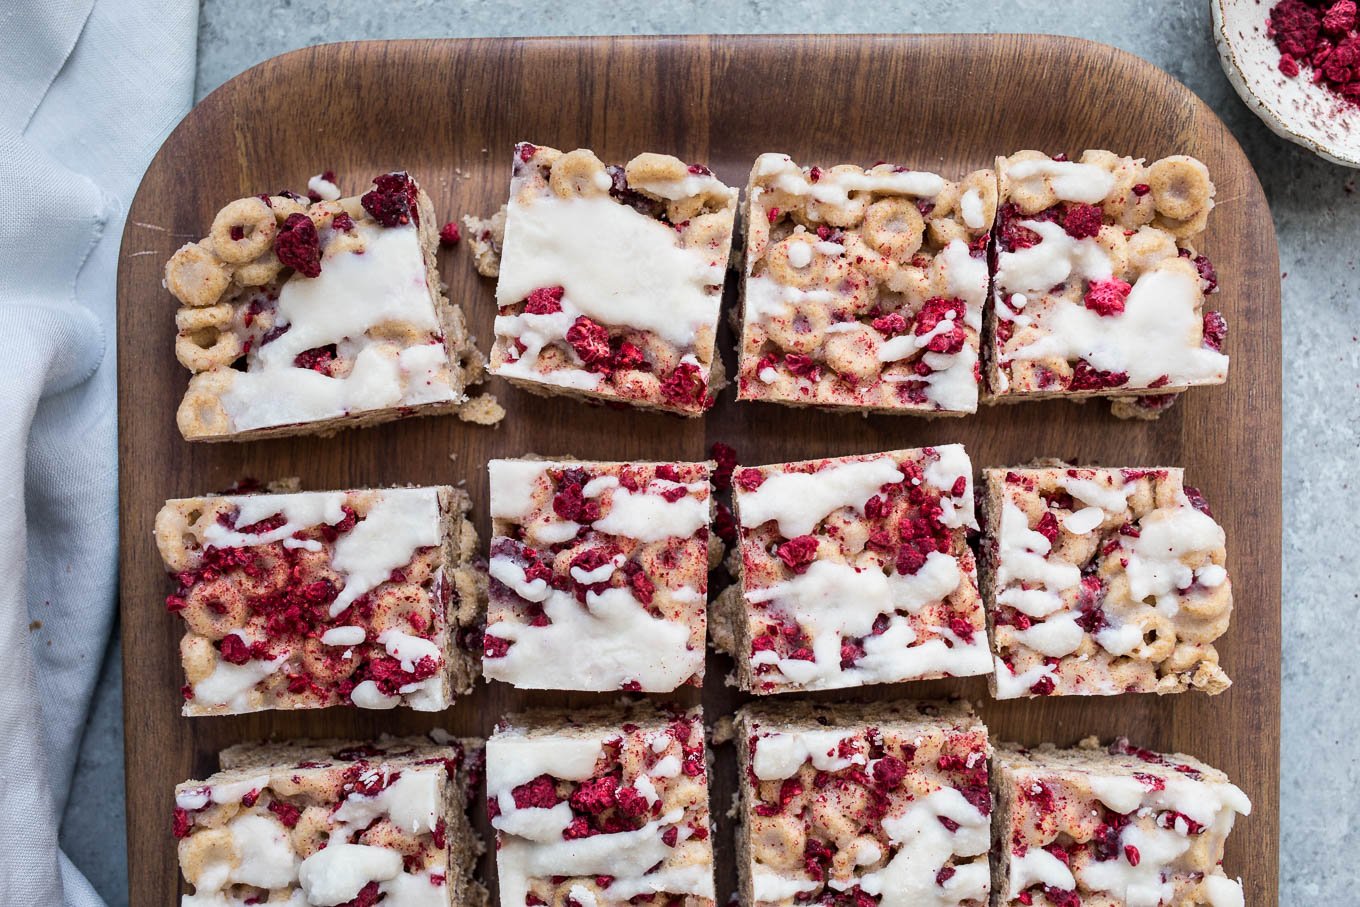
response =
{"points": [[230, 684], [344, 636], [780, 755], [300, 511], [970, 206], [834, 188], [799, 501], [1223, 891], [353, 294], [1155, 569], [1114, 497], [1069, 180], [1057, 257], [399, 523], [607, 642], [1084, 520], [336, 873], [322, 188], [648, 517], [771, 885], [1010, 685], [537, 331], [951, 463], [1039, 867], [617, 266], [923, 847], [512, 487], [687, 186], [1158, 333]]}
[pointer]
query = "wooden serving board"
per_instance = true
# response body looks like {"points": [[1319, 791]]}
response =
{"points": [[449, 111]]}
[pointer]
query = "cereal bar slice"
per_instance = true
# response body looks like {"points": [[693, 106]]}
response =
{"points": [[1098, 289], [864, 288], [315, 599], [1102, 581], [303, 318], [601, 807], [855, 570], [611, 279], [599, 575], [332, 822], [1123, 826], [863, 804]]}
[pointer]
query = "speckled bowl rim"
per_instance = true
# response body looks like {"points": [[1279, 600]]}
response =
{"points": [[1260, 106]]}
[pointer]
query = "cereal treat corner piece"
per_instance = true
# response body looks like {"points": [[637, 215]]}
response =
{"points": [[304, 318], [864, 288], [1098, 289], [599, 575], [866, 804], [333, 822], [611, 279], [315, 599], [856, 570], [1102, 581], [601, 808], [1123, 826]]}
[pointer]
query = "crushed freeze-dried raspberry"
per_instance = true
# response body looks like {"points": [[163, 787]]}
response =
{"points": [[725, 457], [944, 875], [1197, 501], [342, 222], [891, 324], [935, 310], [368, 896], [1087, 377], [1048, 526], [1107, 297], [540, 793], [544, 301], [628, 356], [1082, 221], [297, 245], [889, 771], [393, 202], [725, 524], [803, 366], [181, 823], [749, 479], [1010, 234], [319, 359], [589, 340], [1215, 330], [798, 553], [1339, 18], [1043, 686], [288, 813], [594, 796], [449, 234], [686, 387], [526, 151]]}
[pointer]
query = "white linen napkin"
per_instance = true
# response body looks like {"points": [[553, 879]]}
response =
{"points": [[88, 90]]}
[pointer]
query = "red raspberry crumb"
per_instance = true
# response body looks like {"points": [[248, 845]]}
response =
{"points": [[631, 802], [525, 151], [749, 479], [393, 201], [798, 553], [1048, 527], [628, 356], [595, 796], [544, 301], [288, 813], [579, 828], [234, 649], [1043, 686], [297, 245], [1082, 221], [1107, 297], [540, 793], [670, 836], [803, 366], [1087, 377], [889, 771], [725, 524], [1215, 330], [944, 875], [1289, 66], [590, 340], [319, 359], [1131, 852], [342, 222], [935, 310], [1339, 19], [686, 387], [1141, 189], [182, 823], [726, 459], [890, 325], [494, 646], [449, 235], [1197, 501]]}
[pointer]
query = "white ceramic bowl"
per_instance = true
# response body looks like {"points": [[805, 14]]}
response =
{"points": [[1310, 115]]}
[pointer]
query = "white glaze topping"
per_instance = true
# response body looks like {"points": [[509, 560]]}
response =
{"points": [[799, 501]]}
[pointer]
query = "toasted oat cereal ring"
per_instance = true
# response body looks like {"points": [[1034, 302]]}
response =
{"points": [[243, 230], [707, 231], [209, 345], [327, 664], [312, 830], [850, 212], [982, 182], [205, 851], [799, 330], [778, 841], [1030, 195], [650, 167], [579, 173], [853, 353], [944, 230], [195, 276], [1181, 188], [400, 607], [1147, 247], [201, 412], [285, 207], [259, 272], [682, 209], [894, 227], [177, 535], [1111, 239], [213, 608], [793, 261], [198, 656], [1184, 229], [1159, 638]]}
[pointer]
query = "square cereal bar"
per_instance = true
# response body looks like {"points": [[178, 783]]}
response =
{"points": [[314, 599], [611, 279], [855, 570], [332, 822], [305, 318], [1102, 581], [863, 804], [601, 807], [599, 575], [1098, 289], [1127, 826], [864, 288]]}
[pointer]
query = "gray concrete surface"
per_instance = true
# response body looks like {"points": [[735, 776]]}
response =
{"points": [[1318, 219]]}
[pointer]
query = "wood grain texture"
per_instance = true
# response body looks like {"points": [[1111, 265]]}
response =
{"points": [[449, 111]]}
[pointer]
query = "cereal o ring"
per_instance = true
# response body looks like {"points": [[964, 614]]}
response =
{"points": [[1181, 187], [791, 260], [243, 230], [195, 276], [201, 411], [799, 330], [853, 353], [579, 173], [894, 227], [327, 664], [213, 608]]}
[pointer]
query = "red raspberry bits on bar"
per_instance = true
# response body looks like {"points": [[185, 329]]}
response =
{"points": [[1097, 288], [301, 318], [1102, 581], [599, 575], [308, 600], [864, 288], [854, 571], [1120, 826], [601, 807], [611, 279], [332, 822], [863, 804]]}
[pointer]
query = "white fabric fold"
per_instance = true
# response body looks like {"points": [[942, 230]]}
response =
{"points": [[90, 89]]}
